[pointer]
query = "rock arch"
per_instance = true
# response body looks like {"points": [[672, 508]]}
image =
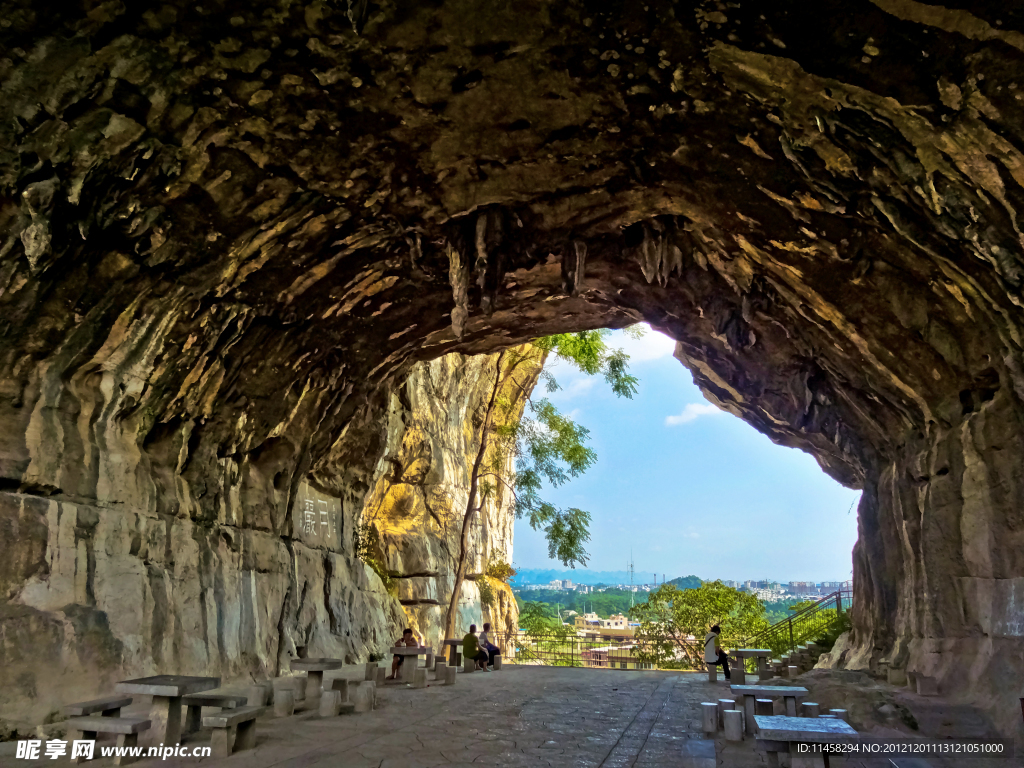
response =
{"points": [[229, 230]]}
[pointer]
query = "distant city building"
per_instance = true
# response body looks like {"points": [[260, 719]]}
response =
{"points": [[803, 588]]}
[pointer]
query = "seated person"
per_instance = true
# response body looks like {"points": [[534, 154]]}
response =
{"points": [[472, 650], [408, 640], [713, 653], [485, 644]]}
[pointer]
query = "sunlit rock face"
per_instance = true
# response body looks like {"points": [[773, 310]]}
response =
{"points": [[230, 229], [418, 503]]}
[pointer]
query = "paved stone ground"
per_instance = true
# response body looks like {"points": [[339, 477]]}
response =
{"points": [[521, 717]]}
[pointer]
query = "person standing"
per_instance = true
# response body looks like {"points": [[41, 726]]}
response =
{"points": [[713, 653]]}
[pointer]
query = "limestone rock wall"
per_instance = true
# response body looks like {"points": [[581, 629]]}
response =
{"points": [[419, 500], [94, 593]]}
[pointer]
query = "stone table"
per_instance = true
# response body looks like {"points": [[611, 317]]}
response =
{"points": [[779, 734], [407, 672], [453, 653], [761, 654], [165, 712], [314, 669], [750, 692]]}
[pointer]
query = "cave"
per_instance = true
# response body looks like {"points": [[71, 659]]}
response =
{"points": [[256, 259]]}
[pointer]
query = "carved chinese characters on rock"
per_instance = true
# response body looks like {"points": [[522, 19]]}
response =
{"points": [[316, 517]]}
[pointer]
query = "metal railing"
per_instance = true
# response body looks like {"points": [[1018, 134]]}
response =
{"points": [[804, 626], [568, 649]]}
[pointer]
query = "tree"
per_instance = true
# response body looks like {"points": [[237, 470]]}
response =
{"points": [[673, 622], [521, 448]]}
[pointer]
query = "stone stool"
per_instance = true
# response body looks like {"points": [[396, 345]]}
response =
{"points": [[419, 678], [371, 670], [381, 676], [733, 725], [341, 685], [764, 707], [709, 717], [896, 676], [259, 694], [284, 702], [449, 675], [723, 705], [792, 671], [365, 696], [330, 703], [810, 709], [712, 673], [496, 666], [842, 714]]}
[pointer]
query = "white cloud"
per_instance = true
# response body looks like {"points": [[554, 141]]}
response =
{"points": [[577, 387], [651, 346], [692, 411]]}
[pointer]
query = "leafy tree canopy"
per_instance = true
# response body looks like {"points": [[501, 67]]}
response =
{"points": [[544, 445], [673, 622], [539, 619]]}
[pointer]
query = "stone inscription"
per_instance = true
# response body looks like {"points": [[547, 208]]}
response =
{"points": [[316, 517]]}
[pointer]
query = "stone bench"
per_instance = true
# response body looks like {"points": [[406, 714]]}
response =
{"points": [[195, 702], [108, 707], [777, 734], [243, 719], [127, 730]]}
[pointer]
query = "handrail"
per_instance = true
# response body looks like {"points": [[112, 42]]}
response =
{"points": [[570, 649], [795, 625]]}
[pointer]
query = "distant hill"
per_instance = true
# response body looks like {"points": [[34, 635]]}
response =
{"points": [[586, 576], [686, 582]]}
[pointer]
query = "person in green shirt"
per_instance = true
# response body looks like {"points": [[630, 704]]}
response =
{"points": [[471, 649]]}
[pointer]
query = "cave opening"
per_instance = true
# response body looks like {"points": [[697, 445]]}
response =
{"points": [[686, 489]]}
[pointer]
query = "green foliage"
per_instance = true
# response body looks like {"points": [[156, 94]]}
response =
{"points": [[546, 637], [670, 616], [487, 596], [375, 657], [604, 604], [838, 626], [368, 549], [588, 351], [546, 446], [686, 582], [538, 619], [800, 605], [500, 570], [779, 610]]}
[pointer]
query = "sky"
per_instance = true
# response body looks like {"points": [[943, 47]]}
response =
{"points": [[690, 488]]}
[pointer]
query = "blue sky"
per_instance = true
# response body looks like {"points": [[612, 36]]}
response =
{"points": [[690, 488]]}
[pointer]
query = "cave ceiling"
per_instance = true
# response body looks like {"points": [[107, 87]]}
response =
{"points": [[233, 222]]}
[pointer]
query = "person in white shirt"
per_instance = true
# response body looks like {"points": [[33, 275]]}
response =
{"points": [[713, 653], [486, 644]]}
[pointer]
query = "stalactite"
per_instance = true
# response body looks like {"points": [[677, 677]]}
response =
{"points": [[458, 276], [574, 262]]}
